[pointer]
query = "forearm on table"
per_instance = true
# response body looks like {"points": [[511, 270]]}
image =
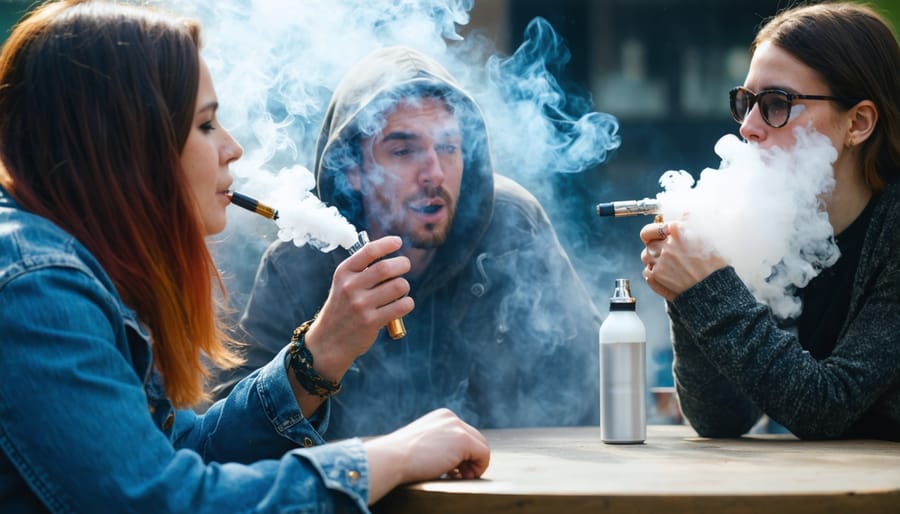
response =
{"points": [[709, 401], [814, 399]]}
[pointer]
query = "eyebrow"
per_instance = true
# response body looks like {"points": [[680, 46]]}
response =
{"points": [[412, 136], [777, 87], [211, 106], [400, 136]]}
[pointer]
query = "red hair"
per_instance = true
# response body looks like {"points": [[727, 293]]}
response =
{"points": [[97, 102]]}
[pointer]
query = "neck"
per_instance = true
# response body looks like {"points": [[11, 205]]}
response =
{"points": [[851, 195]]}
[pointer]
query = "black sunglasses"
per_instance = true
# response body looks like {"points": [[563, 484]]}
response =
{"points": [[774, 104]]}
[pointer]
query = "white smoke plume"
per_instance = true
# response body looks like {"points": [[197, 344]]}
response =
{"points": [[762, 210], [303, 218], [275, 64]]}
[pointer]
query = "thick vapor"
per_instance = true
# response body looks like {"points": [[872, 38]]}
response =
{"points": [[275, 64], [303, 218], [762, 210]]}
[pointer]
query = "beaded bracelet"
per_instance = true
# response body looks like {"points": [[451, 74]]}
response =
{"points": [[301, 362]]}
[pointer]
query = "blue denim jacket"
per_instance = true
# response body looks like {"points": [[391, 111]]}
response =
{"points": [[84, 423]]}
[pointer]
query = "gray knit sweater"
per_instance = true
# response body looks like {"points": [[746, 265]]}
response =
{"points": [[733, 363]]}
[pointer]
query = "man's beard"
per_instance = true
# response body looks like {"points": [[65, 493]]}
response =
{"points": [[430, 235]]}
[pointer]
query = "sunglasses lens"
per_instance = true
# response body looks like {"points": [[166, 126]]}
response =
{"points": [[740, 104], [776, 108]]}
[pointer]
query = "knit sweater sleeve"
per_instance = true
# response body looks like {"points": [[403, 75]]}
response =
{"points": [[709, 401], [734, 357]]}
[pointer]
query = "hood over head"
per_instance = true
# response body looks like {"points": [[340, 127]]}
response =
{"points": [[357, 110]]}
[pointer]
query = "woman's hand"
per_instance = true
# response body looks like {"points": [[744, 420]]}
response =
{"points": [[366, 293], [673, 263], [435, 445]]}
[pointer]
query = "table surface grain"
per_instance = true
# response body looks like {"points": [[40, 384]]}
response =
{"points": [[569, 470]]}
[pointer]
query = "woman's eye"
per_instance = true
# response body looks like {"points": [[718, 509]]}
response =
{"points": [[207, 127]]}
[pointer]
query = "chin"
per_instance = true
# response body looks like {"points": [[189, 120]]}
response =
{"points": [[214, 227], [428, 240]]}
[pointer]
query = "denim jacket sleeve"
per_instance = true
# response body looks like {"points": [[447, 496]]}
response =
{"points": [[259, 419], [80, 429]]}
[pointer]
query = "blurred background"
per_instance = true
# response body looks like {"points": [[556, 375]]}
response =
{"points": [[663, 68]]}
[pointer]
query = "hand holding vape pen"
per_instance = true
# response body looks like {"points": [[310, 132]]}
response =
{"points": [[395, 328]]}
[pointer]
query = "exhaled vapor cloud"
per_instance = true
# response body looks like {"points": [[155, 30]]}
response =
{"points": [[276, 62], [763, 211]]}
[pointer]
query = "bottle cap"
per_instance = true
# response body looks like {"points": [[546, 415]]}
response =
{"points": [[621, 298]]}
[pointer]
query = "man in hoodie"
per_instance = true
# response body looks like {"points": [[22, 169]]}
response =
{"points": [[503, 332]]}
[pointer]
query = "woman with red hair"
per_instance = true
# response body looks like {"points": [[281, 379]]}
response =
{"points": [[114, 170]]}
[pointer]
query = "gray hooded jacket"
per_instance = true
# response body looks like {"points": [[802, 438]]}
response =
{"points": [[504, 333]]}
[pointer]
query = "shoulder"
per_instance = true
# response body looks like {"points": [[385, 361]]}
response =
{"points": [[29, 242], [520, 224], [886, 217], [38, 256], [508, 191], [513, 204], [878, 272], [889, 200]]}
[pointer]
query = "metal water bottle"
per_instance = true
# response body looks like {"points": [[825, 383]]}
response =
{"points": [[623, 384]]}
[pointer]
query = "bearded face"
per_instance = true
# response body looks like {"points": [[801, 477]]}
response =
{"points": [[412, 173]]}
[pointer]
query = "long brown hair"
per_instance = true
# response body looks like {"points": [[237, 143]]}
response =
{"points": [[96, 103], [856, 53]]}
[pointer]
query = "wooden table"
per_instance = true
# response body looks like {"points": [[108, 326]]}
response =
{"points": [[570, 471]]}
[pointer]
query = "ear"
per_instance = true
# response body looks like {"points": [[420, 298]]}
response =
{"points": [[863, 117]]}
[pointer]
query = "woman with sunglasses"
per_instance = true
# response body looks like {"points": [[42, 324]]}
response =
{"points": [[114, 169], [835, 67]]}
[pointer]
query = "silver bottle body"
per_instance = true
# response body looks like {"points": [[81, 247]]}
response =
{"points": [[623, 382]]}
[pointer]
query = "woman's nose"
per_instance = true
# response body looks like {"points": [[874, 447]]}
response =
{"points": [[753, 127], [233, 150]]}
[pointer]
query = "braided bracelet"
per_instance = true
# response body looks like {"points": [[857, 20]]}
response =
{"points": [[301, 362]]}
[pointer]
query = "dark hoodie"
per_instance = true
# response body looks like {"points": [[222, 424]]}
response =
{"points": [[504, 333]]}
